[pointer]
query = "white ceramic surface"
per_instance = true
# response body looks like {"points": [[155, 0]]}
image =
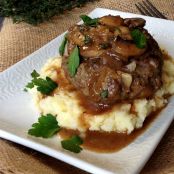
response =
{"points": [[17, 113]]}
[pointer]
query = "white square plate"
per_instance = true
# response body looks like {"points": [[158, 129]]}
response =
{"points": [[17, 113]]}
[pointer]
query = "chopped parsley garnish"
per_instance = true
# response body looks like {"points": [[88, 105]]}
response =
{"points": [[89, 21], [46, 127], [104, 45], [45, 86], [72, 144], [87, 40], [34, 74], [139, 38], [104, 94], [29, 85], [73, 61], [62, 46]]}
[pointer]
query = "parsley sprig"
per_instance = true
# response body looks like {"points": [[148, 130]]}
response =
{"points": [[46, 127], [104, 94], [72, 144], [139, 38], [45, 86], [87, 39], [73, 61], [89, 21], [62, 46]]}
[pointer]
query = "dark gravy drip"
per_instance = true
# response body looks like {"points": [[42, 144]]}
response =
{"points": [[104, 142]]}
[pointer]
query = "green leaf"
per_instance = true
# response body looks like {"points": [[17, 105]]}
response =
{"points": [[73, 61], [104, 94], [45, 86], [30, 85], [87, 40], [72, 144], [46, 127], [89, 21], [139, 38], [104, 45], [34, 74], [25, 90], [62, 46]]}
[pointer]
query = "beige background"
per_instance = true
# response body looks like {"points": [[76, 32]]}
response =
{"points": [[18, 41]]}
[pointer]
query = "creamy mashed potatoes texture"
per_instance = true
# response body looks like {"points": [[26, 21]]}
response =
{"points": [[124, 117]]}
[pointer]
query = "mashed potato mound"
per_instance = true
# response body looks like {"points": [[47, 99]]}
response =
{"points": [[122, 118]]}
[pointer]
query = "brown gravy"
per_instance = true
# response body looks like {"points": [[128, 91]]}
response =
{"points": [[84, 101], [104, 142], [166, 56], [109, 142]]}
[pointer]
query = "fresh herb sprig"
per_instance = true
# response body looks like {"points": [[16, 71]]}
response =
{"points": [[46, 127], [104, 94], [62, 46], [36, 11], [89, 21], [73, 61], [139, 38], [45, 86], [87, 39], [72, 144], [104, 45]]}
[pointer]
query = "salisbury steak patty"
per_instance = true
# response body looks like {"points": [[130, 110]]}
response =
{"points": [[113, 67]]}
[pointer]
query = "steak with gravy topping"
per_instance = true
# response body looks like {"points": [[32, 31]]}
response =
{"points": [[111, 62]]}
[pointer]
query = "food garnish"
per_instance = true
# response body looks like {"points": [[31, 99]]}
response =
{"points": [[35, 74], [104, 94], [46, 127], [62, 46], [87, 39], [89, 21], [72, 144], [45, 86], [73, 61], [104, 45], [139, 38]]}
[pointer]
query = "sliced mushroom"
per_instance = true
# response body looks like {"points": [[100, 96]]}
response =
{"points": [[112, 21], [123, 32], [90, 51], [134, 22], [128, 49], [76, 36]]}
